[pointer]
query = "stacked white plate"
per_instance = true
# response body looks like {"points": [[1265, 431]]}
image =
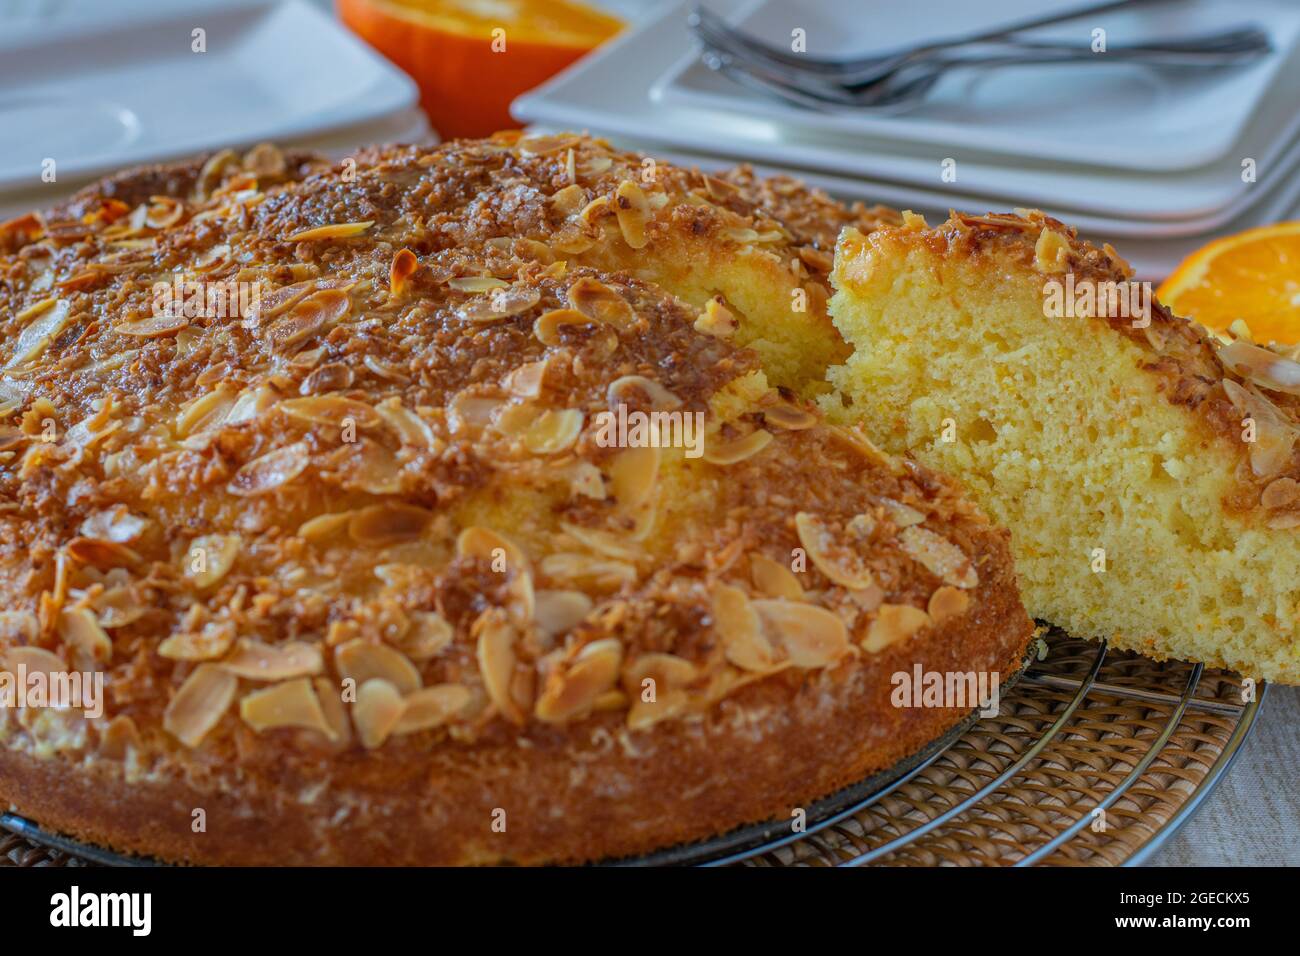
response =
{"points": [[98, 86], [1161, 159]]}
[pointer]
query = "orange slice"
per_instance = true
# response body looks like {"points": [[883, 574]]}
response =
{"points": [[1253, 276], [471, 58]]}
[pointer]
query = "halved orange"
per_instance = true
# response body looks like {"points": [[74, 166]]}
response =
{"points": [[1253, 276], [471, 58]]}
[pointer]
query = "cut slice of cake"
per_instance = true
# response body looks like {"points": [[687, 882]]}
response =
{"points": [[1147, 471]]}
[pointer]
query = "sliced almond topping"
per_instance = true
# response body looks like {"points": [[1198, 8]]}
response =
{"points": [[651, 394], [1275, 436], [811, 636], [501, 304], [362, 660], [558, 612], [291, 704], [553, 431], [633, 211], [324, 527], [573, 690], [496, 662], [403, 267], [331, 705], [330, 377], [939, 555], [1051, 252], [671, 674], [210, 558], [569, 200], [432, 707], [476, 284], [717, 320], [205, 645], [730, 453], [413, 430], [595, 572], [115, 524], [832, 557], [35, 660], [774, 579], [273, 662], [339, 230], [270, 471], [741, 630], [119, 738], [199, 704], [893, 623], [1266, 369], [429, 634], [601, 303], [1281, 493], [377, 711], [470, 413], [585, 480], [526, 381], [549, 327], [36, 337], [782, 414], [546, 145], [104, 555], [207, 411], [330, 410], [390, 523], [633, 473], [153, 326], [484, 543], [601, 542], [947, 602], [80, 629], [902, 515]]}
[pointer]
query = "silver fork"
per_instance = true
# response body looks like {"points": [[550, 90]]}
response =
{"points": [[717, 33]]}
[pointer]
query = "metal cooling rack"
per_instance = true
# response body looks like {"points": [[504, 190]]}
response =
{"points": [[1095, 758]]}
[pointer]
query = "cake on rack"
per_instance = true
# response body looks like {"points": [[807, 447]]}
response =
{"points": [[367, 573]]}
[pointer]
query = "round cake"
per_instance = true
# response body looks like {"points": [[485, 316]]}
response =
{"points": [[450, 506]]}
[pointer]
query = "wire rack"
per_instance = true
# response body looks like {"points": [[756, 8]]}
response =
{"points": [[1094, 759]]}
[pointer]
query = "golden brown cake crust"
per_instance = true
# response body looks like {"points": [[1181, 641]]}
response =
{"points": [[358, 569]]}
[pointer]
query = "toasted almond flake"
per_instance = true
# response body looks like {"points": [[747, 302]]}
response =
{"points": [[904, 516], [432, 707], [496, 662], [338, 230], [811, 636], [774, 579], [893, 623], [36, 337], [503, 302], [334, 411], [1262, 367], [487, 545], [782, 414], [199, 704], [291, 704], [940, 556], [576, 568], [653, 395], [428, 636], [265, 161], [250, 404], [585, 480], [400, 271], [308, 318], [119, 738], [331, 377], [633, 474], [35, 660], [115, 524], [270, 471], [80, 629], [362, 660], [207, 411], [730, 453], [947, 602], [324, 527], [550, 325], [336, 715], [387, 524], [569, 201], [546, 145], [1281, 493], [527, 380], [671, 674], [601, 303], [213, 641], [594, 210], [273, 662], [373, 468], [154, 326], [740, 630], [553, 431], [572, 691], [477, 284], [117, 607], [1275, 436], [1283, 520], [210, 558], [468, 413], [633, 211], [852, 438], [377, 712], [717, 320], [104, 555], [558, 612], [515, 418], [833, 558], [601, 542]]}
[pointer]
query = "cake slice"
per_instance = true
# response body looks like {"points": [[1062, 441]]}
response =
{"points": [[1147, 471]]}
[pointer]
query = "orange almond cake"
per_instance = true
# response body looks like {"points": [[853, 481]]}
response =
{"points": [[363, 572]]}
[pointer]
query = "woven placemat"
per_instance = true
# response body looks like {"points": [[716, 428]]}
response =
{"points": [[1081, 721]]}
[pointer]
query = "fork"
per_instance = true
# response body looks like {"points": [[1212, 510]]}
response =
{"points": [[717, 33]]}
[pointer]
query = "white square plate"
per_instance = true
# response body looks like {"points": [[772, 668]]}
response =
{"points": [[96, 92], [1109, 114]]}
